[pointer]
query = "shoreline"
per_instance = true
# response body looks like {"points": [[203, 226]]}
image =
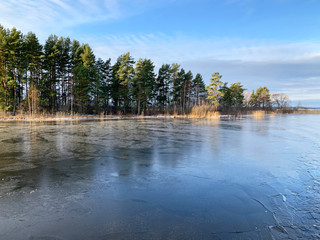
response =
{"points": [[212, 116]]}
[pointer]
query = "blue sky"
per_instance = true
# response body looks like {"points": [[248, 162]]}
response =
{"points": [[273, 43]]}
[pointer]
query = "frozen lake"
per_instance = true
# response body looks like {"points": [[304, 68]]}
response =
{"points": [[161, 179]]}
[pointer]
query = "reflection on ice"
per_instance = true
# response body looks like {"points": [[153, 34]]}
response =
{"points": [[161, 179]]}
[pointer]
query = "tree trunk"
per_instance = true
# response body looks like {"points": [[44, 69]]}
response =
{"points": [[138, 106]]}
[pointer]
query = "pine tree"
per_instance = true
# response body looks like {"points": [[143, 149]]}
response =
{"points": [[186, 91], [84, 75], [115, 87], [163, 86], [175, 84], [125, 75], [33, 55], [263, 97], [143, 83], [63, 72], [50, 79], [199, 88], [3, 68], [237, 91], [14, 45], [214, 89], [102, 85]]}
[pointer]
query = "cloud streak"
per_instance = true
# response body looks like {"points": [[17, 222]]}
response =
{"points": [[183, 47], [56, 16]]}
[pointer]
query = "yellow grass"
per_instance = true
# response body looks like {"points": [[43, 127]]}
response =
{"points": [[60, 116], [205, 111], [306, 111], [258, 114]]}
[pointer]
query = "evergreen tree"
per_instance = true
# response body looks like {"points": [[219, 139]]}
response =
{"points": [[14, 47], [87, 56], [115, 87], [75, 53], [84, 75], [178, 90], [125, 75], [261, 98], [232, 97], [3, 68], [63, 72], [237, 93], [50, 66], [199, 88], [186, 91], [253, 100], [143, 83], [163, 86], [102, 85], [214, 89], [175, 86], [33, 55], [81, 87], [225, 100]]}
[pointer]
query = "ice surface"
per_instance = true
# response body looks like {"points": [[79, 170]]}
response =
{"points": [[161, 179]]}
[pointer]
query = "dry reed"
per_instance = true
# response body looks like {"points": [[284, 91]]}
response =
{"points": [[258, 114], [204, 111], [306, 111]]}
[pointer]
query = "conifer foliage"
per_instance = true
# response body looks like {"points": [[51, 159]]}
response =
{"points": [[64, 76]]}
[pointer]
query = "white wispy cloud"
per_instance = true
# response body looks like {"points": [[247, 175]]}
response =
{"points": [[181, 47], [56, 16]]}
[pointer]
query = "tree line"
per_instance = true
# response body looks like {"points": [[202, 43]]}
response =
{"points": [[236, 97], [64, 75]]}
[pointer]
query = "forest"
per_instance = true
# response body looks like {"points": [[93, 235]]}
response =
{"points": [[64, 75]]}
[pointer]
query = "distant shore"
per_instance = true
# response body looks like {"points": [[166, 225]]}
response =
{"points": [[211, 115]]}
